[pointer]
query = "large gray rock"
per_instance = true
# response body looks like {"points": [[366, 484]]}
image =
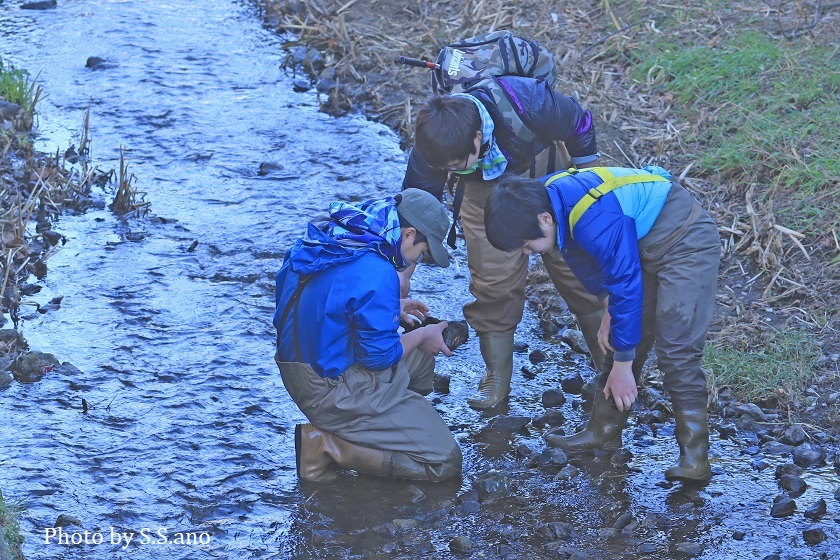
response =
{"points": [[809, 455], [492, 486], [33, 366], [752, 411]]}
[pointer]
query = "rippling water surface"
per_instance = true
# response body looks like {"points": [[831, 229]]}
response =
{"points": [[189, 427]]}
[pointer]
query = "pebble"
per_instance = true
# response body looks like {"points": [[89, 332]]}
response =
{"points": [[775, 448], [553, 458], [65, 520], [520, 347], [572, 383], [788, 468], [623, 521], [808, 455], [739, 535], [574, 338], [794, 435], [553, 398], [5, 380], [404, 524], [523, 450], [551, 417], [556, 530], [782, 507], [793, 484], [537, 356], [508, 423], [814, 535], [300, 85], [751, 410], [837, 494], [772, 557], [461, 545], [466, 508], [692, 549], [817, 510], [441, 384], [492, 486], [567, 472]]}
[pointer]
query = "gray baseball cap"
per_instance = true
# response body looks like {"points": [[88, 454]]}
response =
{"points": [[429, 217]]}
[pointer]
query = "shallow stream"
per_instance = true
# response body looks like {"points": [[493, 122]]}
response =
{"points": [[189, 428]]}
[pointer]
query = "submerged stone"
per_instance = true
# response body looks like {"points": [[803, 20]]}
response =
{"points": [[817, 510], [33, 366], [461, 545], [808, 455], [553, 398], [492, 486], [788, 468], [572, 383], [814, 535], [793, 484], [553, 531], [783, 507]]}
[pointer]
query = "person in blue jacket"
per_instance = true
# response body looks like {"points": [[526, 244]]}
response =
{"points": [[344, 363], [522, 126], [646, 247]]}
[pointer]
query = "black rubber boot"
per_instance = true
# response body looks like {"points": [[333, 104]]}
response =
{"points": [[692, 435], [602, 431]]}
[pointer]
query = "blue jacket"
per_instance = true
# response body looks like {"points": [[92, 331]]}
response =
{"points": [[604, 252], [349, 308], [548, 114]]}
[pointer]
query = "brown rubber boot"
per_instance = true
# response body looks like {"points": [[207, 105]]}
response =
{"points": [[497, 351], [602, 431], [692, 435], [589, 324], [311, 458]]}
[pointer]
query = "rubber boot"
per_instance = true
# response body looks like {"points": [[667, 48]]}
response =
{"points": [[692, 435], [497, 351], [589, 324], [602, 431], [311, 458]]}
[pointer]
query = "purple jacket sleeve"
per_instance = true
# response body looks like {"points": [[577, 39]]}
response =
{"points": [[421, 175], [554, 116]]}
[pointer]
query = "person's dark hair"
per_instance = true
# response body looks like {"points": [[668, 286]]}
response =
{"points": [[419, 237], [446, 128], [511, 210]]}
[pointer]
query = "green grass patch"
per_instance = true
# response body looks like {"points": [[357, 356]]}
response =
{"points": [[786, 362], [17, 86], [773, 112], [9, 515]]}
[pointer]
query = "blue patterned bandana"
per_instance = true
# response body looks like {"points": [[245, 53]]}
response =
{"points": [[374, 224], [494, 162]]}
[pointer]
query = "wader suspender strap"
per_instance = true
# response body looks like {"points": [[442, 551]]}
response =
{"points": [[610, 183], [294, 300], [456, 210]]}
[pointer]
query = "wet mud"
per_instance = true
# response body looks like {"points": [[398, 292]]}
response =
{"points": [[173, 414]]}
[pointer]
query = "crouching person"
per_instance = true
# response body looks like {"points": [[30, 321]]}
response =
{"points": [[646, 247], [342, 360]]}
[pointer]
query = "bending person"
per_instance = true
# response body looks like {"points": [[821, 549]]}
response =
{"points": [[358, 381]]}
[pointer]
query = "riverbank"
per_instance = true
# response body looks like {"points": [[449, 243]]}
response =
{"points": [[769, 180]]}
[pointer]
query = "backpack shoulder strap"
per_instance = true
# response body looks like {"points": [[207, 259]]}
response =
{"points": [[294, 301], [609, 183]]}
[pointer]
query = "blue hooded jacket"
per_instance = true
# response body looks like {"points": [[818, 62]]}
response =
{"points": [[349, 308], [604, 251]]}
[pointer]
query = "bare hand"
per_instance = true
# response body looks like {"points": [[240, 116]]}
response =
{"points": [[433, 339], [621, 385], [604, 334], [412, 311]]}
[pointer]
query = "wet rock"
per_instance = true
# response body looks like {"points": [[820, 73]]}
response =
{"points": [[269, 168], [492, 486], [15, 115], [739, 535], [97, 63], [300, 85], [461, 545], [537, 356], [621, 457], [519, 347], [691, 549], [33, 366], [572, 383], [630, 528], [837, 494], [467, 496], [623, 521], [65, 520], [789, 469], [551, 417], [52, 237], [782, 507], [554, 531], [647, 548], [508, 423], [5, 380], [775, 448], [817, 510], [574, 338], [551, 459], [650, 417], [553, 398], [751, 411], [404, 524], [441, 384], [794, 435], [567, 472], [528, 374], [455, 334], [43, 5], [467, 508], [808, 455], [310, 59], [772, 557], [587, 392], [523, 450], [793, 484], [814, 535], [759, 464], [837, 461]]}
